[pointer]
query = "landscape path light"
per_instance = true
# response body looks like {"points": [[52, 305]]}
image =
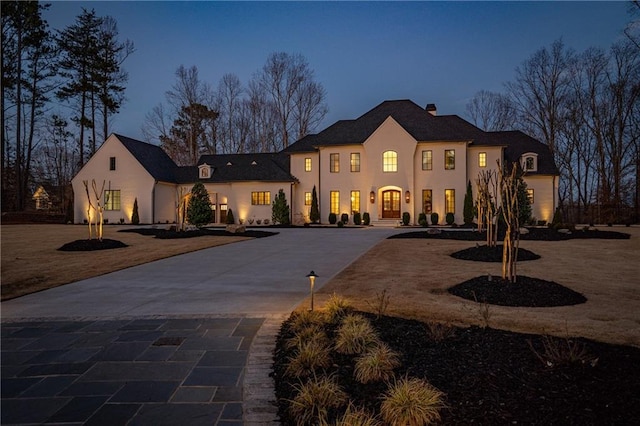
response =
{"points": [[312, 280]]}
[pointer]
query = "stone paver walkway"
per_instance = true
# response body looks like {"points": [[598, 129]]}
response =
{"points": [[152, 371]]}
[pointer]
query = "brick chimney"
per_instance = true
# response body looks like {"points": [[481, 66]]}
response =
{"points": [[431, 109]]}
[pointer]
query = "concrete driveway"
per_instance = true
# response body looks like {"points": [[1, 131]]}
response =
{"points": [[256, 277]]}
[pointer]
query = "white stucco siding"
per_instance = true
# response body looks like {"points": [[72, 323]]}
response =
{"points": [[545, 192], [344, 181], [165, 202], [129, 177], [307, 180]]}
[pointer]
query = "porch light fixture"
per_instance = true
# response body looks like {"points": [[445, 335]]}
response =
{"points": [[407, 197], [312, 280], [372, 197]]}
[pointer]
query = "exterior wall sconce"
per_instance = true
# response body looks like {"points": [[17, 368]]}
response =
{"points": [[407, 197], [312, 280], [372, 197]]}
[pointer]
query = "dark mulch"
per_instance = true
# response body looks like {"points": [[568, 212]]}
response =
{"points": [[535, 234], [165, 234], [526, 292], [485, 253], [494, 377], [91, 245]]}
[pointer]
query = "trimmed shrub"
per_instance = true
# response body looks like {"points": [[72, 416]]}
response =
{"points": [[333, 218], [411, 402], [314, 214], [315, 398], [135, 218], [450, 218], [422, 219], [230, 219], [344, 218], [366, 219], [377, 364], [434, 218], [406, 218], [467, 212], [341, 224], [357, 218]]}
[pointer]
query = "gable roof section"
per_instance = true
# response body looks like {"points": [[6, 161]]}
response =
{"points": [[266, 167], [151, 157], [518, 143]]}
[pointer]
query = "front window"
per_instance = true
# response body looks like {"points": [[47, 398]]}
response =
{"points": [[529, 163], [307, 198], [427, 160], [334, 163], [335, 201], [530, 195], [427, 201], [112, 199], [112, 163], [260, 198], [355, 161], [355, 202], [449, 159], [482, 159], [389, 161], [307, 164], [450, 200]]}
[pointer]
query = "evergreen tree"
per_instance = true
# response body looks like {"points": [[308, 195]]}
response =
{"points": [[135, 218], [199, 209], [524, 204], [280, 210], [468, 205], [314, 215]]}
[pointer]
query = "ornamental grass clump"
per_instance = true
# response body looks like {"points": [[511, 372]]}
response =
{"points": [[411, 402], [315, 399], [439, 332], [310, 356], [354, 416], [303, 319], [376, 364], [355, 335], [336, 308], [312, 332]]}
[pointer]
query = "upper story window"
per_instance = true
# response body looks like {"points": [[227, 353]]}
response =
{"points": [[427, 160], [389, 161], [112, 163], [355, 161], [307, 164], [482, 159], [529, 162], [334, 163], [449, 159], [204, 171]]}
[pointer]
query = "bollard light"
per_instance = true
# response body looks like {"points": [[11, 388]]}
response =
{"points": [[312, 280]]}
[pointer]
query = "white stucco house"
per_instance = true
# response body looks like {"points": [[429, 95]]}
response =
{"points": [[397, 157]]}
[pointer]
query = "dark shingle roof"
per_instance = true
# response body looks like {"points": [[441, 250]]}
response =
{"points": [[267, 167], [152, 158], [518, 143]]}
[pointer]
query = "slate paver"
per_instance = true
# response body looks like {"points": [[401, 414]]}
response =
{"points": [[49, 386], [79, 409]]}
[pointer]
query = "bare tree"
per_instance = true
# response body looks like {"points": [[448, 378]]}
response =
{"points": [[229, 105], [487, 204], [509, 183], [491, 111]]}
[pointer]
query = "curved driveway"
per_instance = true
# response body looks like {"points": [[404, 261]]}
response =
{"points": [[255, 277]]}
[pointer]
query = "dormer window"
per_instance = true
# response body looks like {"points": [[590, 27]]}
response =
{"points": [[253, 163], [229, 163], [204, 171], [529, 162]]}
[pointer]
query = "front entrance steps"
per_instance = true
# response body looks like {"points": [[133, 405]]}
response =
{"points": [[386, 223]]}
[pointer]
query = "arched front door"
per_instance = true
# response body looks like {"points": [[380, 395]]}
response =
{"points": [[391, 204]]}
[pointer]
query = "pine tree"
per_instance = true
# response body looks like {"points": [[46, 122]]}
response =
{"points": [[280, 210], [199, 209], [314, 215], [468, 205]]}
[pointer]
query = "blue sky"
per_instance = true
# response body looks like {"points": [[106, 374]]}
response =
{"points": [[362, 52]]}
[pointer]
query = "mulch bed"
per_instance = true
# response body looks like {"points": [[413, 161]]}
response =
{"points": [[494, 377], [525, 292], [165, 234], [535, 234], [91, 245], [485, 253]]}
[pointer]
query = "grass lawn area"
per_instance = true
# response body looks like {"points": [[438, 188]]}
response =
{"points": [[32, 262]]}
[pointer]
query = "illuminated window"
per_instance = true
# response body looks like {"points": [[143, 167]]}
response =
{"points": [[389, 161], [112, 199], [334, 163], [335, 201], [427, 201], [112, 163], [427, 160], [355, 202], [307, 164], [355, 161], [450, 200], [530, 195], [260, 198], [449, 159], [482, 159], [307, 198]]}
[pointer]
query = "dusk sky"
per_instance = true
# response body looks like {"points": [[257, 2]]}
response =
{"points": [[361, 52]]}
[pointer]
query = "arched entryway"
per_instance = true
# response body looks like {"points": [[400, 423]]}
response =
{"points": [[391, 204]]}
